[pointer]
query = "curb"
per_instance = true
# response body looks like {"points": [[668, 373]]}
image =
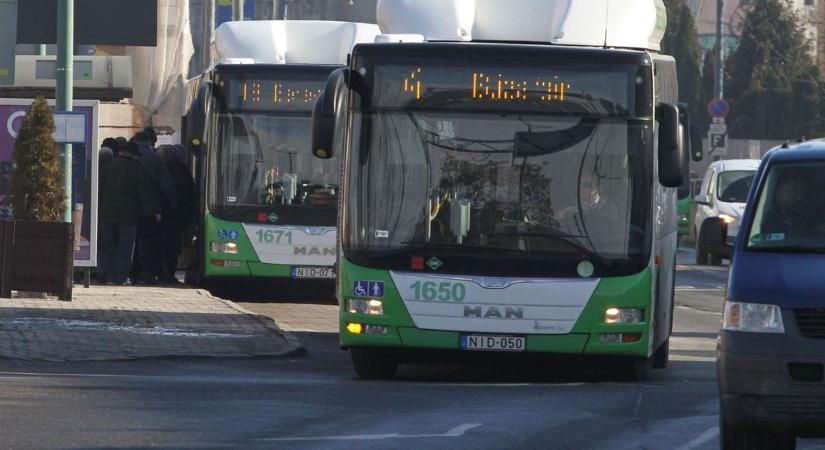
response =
{"points": [[293, 344]]}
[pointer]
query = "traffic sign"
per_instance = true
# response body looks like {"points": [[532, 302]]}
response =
{"points": [[718, 138], [718, 128], [718, 107]]}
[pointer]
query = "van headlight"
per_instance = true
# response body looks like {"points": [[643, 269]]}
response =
{"points": [[752, 317]]}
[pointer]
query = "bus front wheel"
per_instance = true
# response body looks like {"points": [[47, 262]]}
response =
{"points": [[373, 364]]}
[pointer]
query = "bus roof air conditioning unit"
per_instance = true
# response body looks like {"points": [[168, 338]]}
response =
{"points": [[290, 41], [94, 72], [638, 24]]}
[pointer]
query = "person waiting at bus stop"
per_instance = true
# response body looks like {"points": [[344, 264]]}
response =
{"points": [[148, 259], [125, 194], [180, 217]]}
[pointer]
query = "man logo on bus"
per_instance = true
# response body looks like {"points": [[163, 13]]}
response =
{"points": [[493, 312]]}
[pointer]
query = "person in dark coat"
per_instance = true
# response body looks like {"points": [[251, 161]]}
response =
{"points": [[181, 215], [126, 195], [148, 261]]}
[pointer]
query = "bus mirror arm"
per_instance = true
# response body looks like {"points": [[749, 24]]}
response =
{"points": [[671, 158]]}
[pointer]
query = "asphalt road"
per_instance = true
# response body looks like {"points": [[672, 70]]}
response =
{"points": [[316, 401]]}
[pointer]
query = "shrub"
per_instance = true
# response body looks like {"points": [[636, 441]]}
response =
{"points": [[37, 187]]}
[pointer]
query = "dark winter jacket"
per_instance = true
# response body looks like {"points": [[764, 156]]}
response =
{"points": [[185, 189], [126, 192], [160, 177]]}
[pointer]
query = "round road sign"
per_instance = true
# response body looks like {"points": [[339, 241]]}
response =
{"points": [[718, 107]]}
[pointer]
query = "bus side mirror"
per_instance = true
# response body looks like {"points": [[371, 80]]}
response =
{"points": [[323, 115], [671, 157]]}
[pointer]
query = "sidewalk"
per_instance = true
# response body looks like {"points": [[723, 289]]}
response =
{"points": [[115, 323]]}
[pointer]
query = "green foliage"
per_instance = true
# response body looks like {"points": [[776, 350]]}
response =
{"points": [[682, 42], [37, 187], [771, 80]]}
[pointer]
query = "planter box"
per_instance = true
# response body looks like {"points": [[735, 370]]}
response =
{"points": [[36, 256]]}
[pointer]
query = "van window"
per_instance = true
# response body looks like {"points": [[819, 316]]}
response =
{"points": [[790, 212], [734, 185]]}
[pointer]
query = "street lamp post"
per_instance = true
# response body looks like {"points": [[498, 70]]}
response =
{"points": [[718, 79], [65, 86], [238, 10]]}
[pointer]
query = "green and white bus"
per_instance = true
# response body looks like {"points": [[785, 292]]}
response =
{"points": [[504, 197], [268, 207]]}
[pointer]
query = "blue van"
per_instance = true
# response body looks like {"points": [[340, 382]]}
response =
{"points": [[771, 354]]}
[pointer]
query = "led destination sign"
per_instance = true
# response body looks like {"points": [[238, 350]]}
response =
{"points": [[486, 87], [598, 90], [273, 94]]}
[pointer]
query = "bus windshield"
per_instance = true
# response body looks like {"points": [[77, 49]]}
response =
{"points": [[262, 166], [501, 192]]}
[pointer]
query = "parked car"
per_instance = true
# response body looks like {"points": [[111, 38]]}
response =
{"points": [[719, 206], [771, 355]]}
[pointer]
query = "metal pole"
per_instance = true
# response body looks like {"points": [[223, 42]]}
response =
{"points": [[65, 86], [208, 33], [278, 7], [719, 83], [237, 10]]}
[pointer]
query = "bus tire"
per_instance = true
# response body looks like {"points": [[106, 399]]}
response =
{"points": [[736, 438], [662, 355], [714, 260], [372, 364], [634, 369]]}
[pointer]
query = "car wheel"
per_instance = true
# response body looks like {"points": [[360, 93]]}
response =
{"points": [[372, 364], [736, 438], [701, 252]]}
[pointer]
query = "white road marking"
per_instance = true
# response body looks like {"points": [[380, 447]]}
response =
{"points": [[700, 440], [452, 432], [698, 310], [693, 288]]}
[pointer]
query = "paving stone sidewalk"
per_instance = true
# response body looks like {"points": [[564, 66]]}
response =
{"points": [[116, 323]]}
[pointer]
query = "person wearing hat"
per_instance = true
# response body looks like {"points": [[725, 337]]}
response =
{"points": [[126, 194]]}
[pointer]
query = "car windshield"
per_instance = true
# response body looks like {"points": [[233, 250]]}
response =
{"points": [[790, 212], [492, 187], [734, 185]]}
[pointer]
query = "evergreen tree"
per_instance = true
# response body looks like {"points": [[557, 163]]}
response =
{"points": [[682, 42], [37, 187], [771, 80]]}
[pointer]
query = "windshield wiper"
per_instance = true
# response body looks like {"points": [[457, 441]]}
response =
{"points": [[567, 239], [422, 246], [788, 249]]}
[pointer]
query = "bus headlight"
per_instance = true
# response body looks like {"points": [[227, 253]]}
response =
{"points": [[370, 307], [621, 315], [230, 248], [752, 317]]}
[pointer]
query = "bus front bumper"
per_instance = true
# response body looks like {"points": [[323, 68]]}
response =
{"points": [[408, 338]]}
